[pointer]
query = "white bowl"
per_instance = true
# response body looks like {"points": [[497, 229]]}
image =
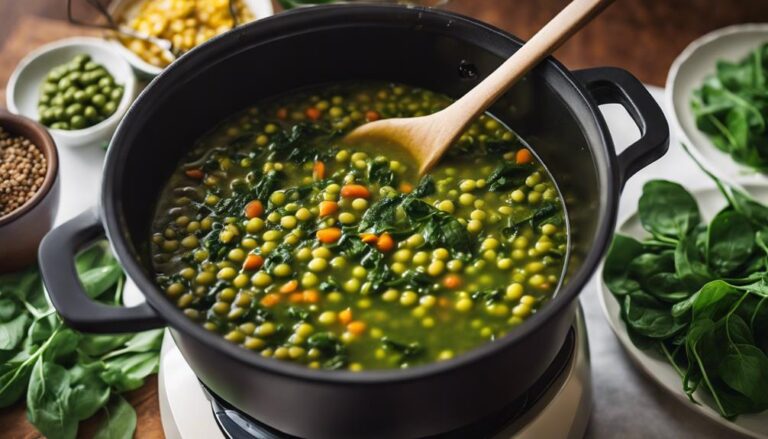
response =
{"points": [[690, 69], [754, 425], [121, 8], [23, 92]]}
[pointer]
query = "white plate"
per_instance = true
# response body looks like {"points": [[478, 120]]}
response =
{"points": [[25, 81], [690, 69], [755, 425], [259, 8]]}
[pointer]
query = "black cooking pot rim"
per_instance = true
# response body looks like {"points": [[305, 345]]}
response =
{"points": [[270, 28]]}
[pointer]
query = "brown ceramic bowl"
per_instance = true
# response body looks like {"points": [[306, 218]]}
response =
{"points": [[22, 229]]}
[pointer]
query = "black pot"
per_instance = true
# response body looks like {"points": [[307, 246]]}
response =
{"points": [[554, 109]]}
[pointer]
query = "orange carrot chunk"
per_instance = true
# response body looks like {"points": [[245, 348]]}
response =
{"points": [[289, 286], [254, 209], [357, 327], [296, 298], [313, 114], [318, 170], [369, 238], [328, 208], [523, 156], [371, 115], [197, 174], [345, 316], [311, 296], [282, 113], [329, 235], [355, 191], [385, 243], [406, 187], [253, 262], [270, 300], [452, 281]]}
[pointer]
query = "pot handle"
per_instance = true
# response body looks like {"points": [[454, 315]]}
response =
{"points": [[612, 85], [57, 267]]}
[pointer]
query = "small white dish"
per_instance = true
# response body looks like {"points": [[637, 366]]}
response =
{"points": [[23, 92], [123, 8], [689, 70], [754, 425]]}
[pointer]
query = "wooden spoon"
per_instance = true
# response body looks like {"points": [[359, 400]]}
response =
{"points": [[426, 138]]}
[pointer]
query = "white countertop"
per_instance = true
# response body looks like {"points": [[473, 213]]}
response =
{"points": [[627, 403]]}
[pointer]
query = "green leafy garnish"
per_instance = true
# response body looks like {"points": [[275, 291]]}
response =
{"points": [[696, 293], [731, 108], [68, 376]]}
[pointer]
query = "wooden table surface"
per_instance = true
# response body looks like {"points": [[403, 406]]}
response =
{"points": [[642, 36]]}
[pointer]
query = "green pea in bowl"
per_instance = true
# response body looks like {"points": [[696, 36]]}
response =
{"points": [[80, 88]]}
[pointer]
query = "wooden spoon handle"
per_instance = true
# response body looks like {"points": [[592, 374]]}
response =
{"points": [[572, 18]]}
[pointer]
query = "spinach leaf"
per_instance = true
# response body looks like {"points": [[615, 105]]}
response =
{"points": [[425, 187], [488, 296], [379, 172], [297, 313], [731, 109], [12, 332], [666, 209], [407, 351], [48, 401], [507, 175], [616, 270], [690, 263], [730, 241], [128, 371], [88, 393], [120, 422], [649, 317], [381, 216], [97, 281], [328, 344]]}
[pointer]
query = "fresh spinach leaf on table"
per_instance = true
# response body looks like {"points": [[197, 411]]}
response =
{"points": [[68, 376]]}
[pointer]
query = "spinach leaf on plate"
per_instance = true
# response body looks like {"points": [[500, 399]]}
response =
{"points": [[667, 210], [697, 295]]}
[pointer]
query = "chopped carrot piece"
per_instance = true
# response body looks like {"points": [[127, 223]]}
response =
{"points": [[254, 209], [406, 187], [357, 327], [452, 281], [253, 262], [443, 302], [296, 298], [289, 286], [345, 316], [329, 235], [318, 170], [385, 243], [328, 208], [371, 115], [197, 174], [270, 300], [523, 156], [311, 296], [282, 113], [369, 238], [313, 114], [355, 191]]}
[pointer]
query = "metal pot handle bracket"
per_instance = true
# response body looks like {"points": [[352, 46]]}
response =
{"points": [[57, 267], [612, 85]]}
